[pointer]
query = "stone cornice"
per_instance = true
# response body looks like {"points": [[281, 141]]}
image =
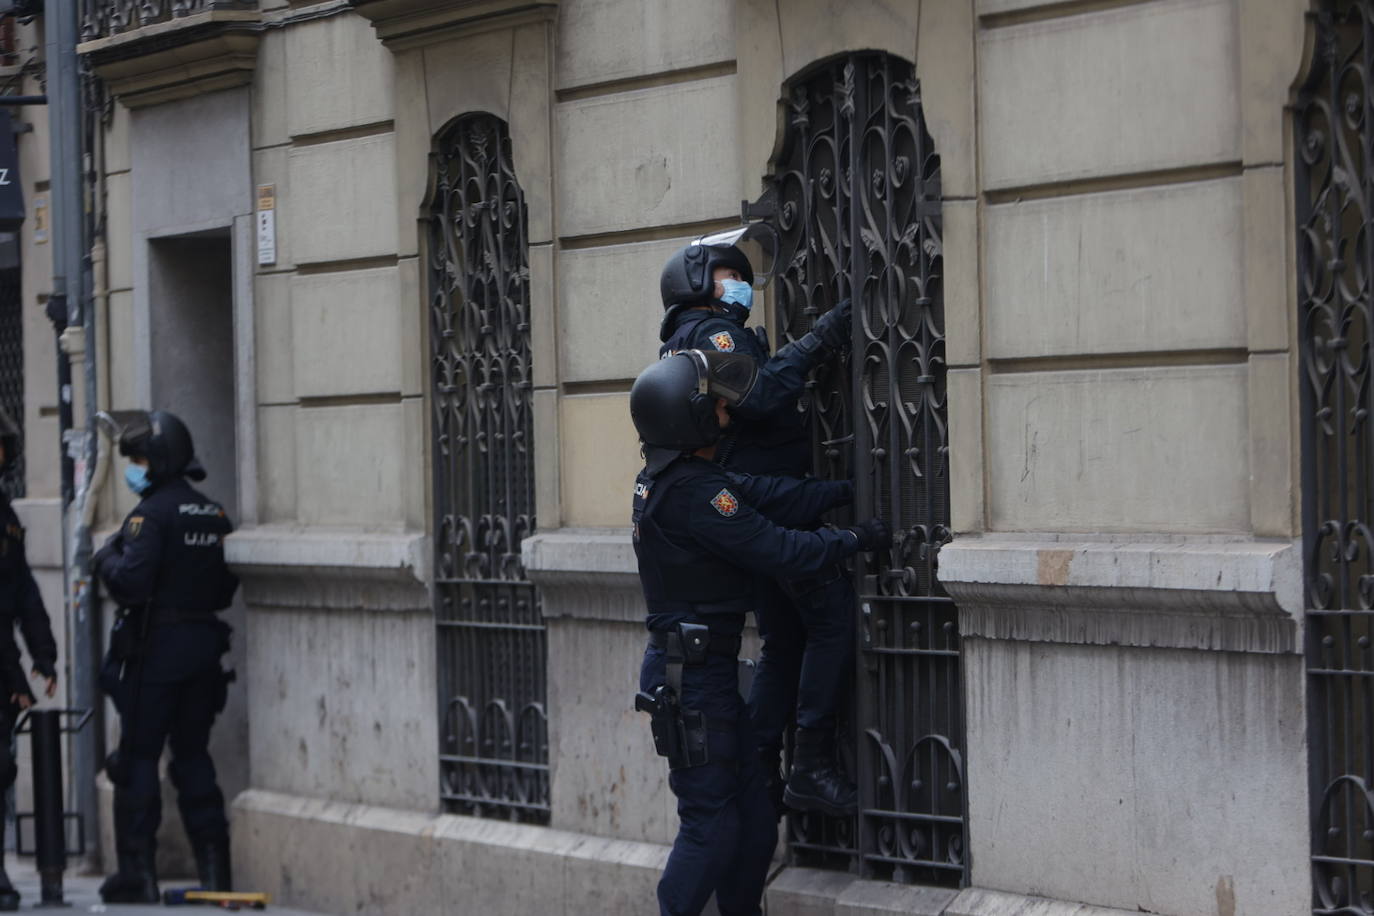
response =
{"points": [[331, 569], [585, 573], [1185, 593], [405, 24], [178, 58]]}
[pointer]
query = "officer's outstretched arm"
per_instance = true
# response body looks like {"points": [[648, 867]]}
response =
{"points": [[734, 531], [132, 573], [11, 670], [34, 623], [789, 501], [781, 379]]}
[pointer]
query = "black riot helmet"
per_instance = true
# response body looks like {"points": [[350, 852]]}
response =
{"points": [[157, 436], [9, 438], [687, 281], [686, 278], [673, 402]]}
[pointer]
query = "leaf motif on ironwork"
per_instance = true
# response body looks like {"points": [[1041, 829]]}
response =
{"points": [[846, 91], [872, 242], [801, 108]]}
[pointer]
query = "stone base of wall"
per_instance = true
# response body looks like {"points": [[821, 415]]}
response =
{"points": [[333, 857]]}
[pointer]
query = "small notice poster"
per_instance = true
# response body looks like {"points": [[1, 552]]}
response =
{"points": [[267, 224]]}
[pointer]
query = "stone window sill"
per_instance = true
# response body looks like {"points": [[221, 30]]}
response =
{"points": [[1211, 593], [288, 566]]}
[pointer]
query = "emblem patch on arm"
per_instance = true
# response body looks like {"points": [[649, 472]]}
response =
{"points": [[725, 503], [134, 526], [723, 342]]}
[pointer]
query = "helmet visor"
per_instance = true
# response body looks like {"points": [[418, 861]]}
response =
{"points": [[131, 429], [725, 375], [758, 241]]}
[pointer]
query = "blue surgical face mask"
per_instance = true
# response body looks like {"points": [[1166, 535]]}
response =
{"points": [[136, 476], [738, 292]]}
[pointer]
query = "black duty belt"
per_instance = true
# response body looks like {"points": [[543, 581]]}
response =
{"points": [[721, 643]]}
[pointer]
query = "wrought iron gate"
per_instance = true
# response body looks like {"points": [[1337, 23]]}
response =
{"points": [[494, 758], [1334, 183], [857, 190]]}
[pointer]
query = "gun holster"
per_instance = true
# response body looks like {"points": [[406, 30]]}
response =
{"points": [[679, 734], [126, 636]]}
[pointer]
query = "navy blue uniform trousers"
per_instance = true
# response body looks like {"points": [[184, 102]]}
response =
{"points": [[181, 690], [728, 830]]}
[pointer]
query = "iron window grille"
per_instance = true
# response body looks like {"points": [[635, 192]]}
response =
{"points": [[494, 758], [858, 209]]}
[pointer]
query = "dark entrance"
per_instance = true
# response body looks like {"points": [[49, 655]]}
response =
{"points": [[857, 192], [494, 758], [1334, 184]]}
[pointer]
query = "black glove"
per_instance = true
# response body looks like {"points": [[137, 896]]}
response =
{"points": [[833, 328], [873, 534]]}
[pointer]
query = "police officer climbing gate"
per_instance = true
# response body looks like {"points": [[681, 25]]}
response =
{"points": [[806, 621]]}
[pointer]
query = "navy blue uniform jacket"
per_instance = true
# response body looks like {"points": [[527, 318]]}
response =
{"points": [[701, 535]]}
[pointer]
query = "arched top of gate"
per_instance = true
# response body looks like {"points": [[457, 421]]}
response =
{"points": [[444, 137], [783, 134], [1312, 63]]}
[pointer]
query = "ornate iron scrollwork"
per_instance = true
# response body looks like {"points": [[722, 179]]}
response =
{"points": [[858, 209], [1334, 184], [491, 662], [103, 18]]}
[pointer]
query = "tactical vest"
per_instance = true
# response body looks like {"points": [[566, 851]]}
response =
{"points": [[679, 576]]}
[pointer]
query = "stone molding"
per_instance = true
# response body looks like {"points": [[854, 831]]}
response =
{"points": [[179, 58], [585, 573], [284, 566], [405, 24], [1185, 593]]}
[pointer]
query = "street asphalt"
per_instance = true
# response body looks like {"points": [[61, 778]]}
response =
{"points": [[81, 893]]}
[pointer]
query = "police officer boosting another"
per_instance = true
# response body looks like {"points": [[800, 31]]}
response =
{"points": [[165, 568], [20, 603], [701, 536]]}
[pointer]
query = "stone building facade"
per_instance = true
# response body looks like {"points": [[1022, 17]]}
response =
{"points": [[1105, 220]]}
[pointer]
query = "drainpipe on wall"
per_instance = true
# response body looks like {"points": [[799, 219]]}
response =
{"points": [[72, 288]]}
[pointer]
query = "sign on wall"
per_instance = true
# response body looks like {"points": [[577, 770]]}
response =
{"points": [[267, 224], [11, 192]]}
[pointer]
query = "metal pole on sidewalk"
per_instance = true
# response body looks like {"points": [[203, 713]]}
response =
{"points": [[71, 287]]}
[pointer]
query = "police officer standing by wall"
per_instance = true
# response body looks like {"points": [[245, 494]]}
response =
{"points": [[701, 538], [165, 567], [21, 603], [806, 623]]}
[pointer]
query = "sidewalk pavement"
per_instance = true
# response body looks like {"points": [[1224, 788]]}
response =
{"points": [[82, 893]]}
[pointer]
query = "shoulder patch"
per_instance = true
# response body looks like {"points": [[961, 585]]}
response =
{"points": [[725, 503], [133, 526], [723, 342]]}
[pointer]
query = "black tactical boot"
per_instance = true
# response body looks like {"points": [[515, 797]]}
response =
{"points": [[136, 880], [815, 783], [212, 863], [770, 758]]}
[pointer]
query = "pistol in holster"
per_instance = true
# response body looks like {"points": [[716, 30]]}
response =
{"points": [[679, 733]]}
